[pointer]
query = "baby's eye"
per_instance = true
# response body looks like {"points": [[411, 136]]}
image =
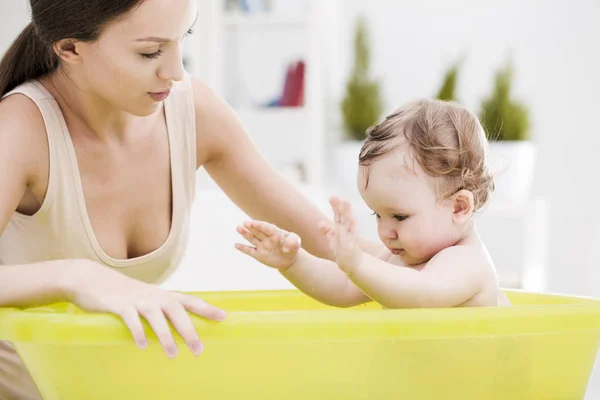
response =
{"points": [[400, 218], [377, 215]]}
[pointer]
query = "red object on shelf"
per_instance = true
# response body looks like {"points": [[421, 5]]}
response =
{"points": [[293, 89]]}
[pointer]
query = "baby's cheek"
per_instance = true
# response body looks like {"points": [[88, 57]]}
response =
{"points": [[424, 243], [425, 249]]}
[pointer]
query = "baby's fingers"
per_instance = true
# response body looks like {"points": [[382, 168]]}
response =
{"points": [[251, 226], [335, 201], [324, 227], [266, 228], [347, 215], [251, 251], [291, 243], [335, 206], [249, 236]]}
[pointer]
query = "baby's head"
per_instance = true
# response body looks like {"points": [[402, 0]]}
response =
{"points": [[423, 171]]}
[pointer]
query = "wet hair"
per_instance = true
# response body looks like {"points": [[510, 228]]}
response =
{"points": [[444, 138], [31, 55]]}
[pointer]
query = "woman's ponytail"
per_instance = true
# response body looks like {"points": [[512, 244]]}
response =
{"points": [[27, 58]]}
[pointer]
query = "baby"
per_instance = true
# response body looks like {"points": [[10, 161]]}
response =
{"points": [[424, 174]]}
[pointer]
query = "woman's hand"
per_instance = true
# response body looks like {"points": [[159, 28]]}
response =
{"points": [[96, 288]]}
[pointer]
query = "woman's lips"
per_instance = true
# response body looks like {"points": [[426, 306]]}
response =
{"points": [[159, 96]]}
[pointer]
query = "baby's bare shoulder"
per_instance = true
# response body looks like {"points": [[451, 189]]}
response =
{"points": [[467, 261], [465, 256], [474, 261]]}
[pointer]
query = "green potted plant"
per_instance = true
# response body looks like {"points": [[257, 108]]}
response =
{"points": [[360, 107], [447, 92], [507, 127]]}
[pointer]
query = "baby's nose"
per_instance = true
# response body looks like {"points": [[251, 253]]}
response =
{"points": [[390, 235]]}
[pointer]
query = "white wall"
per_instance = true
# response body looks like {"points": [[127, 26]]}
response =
{"points": [[14, 15], [556, 52]]}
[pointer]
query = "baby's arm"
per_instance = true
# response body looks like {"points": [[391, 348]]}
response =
{"points": [[324, 281], [448, 280], [321, 279], [451, 277]]}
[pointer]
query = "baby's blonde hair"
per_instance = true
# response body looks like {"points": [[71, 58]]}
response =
{"points": [[445, 138]]}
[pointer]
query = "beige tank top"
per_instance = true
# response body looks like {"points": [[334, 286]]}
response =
{"points": [[61, 229]]}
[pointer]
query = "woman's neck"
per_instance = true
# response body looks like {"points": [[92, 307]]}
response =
{"points": [[102, 119]]}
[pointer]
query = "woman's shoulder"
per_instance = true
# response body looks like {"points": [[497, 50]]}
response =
{"points": [[205, 98], [22, 130], [20, 118], [217, 125]]}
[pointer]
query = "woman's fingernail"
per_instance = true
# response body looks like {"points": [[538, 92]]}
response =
{"points": [[172, 351], [197, 348], [142, 344]]}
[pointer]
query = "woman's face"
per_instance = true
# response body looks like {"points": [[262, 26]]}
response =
{"points": [[136, 59]]}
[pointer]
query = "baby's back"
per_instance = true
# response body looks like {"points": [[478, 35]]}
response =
{"points": [[490, 295]]}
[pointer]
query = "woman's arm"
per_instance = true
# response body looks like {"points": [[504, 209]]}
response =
{"points": [[22, 142], [89, 285], [232, 159]]}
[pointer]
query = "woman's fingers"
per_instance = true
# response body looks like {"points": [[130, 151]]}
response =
{"points": [[201, 308], [130, 316], [173, 309], [182, 323], [155, 317]]}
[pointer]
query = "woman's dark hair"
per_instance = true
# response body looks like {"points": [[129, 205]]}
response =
{"points": [[31, 54]]}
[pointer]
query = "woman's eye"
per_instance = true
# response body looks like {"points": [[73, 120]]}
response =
{"points": [[400, 218], [377, 215], [152, 55]]}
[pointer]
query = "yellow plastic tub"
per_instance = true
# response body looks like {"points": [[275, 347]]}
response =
{"points": [[283, 345]]}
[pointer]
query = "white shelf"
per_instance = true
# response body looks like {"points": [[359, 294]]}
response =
{"points": [[264, 20], [272, 112], [244, 56]]}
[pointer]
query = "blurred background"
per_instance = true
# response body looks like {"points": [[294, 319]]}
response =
{"points": [[307, 77]]}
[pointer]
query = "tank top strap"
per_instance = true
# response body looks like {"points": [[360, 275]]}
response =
{"points": [[53, 122], [180, 114]]}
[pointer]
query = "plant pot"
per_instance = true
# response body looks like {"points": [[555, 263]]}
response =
{"points": [[512, 164]]}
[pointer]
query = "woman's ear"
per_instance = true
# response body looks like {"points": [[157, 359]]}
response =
{"points": [[463, 205], [68, 50]]}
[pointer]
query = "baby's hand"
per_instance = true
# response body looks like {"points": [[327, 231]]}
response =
{"points": [[343, 237], [271, 245]]}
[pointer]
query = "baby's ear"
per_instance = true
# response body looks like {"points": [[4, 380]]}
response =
{"points": [[463, 204]]}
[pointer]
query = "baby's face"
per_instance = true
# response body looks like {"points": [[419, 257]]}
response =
{"points": [[411, 220]]}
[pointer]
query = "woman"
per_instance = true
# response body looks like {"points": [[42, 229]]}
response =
{"points": [[101, 133]]}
